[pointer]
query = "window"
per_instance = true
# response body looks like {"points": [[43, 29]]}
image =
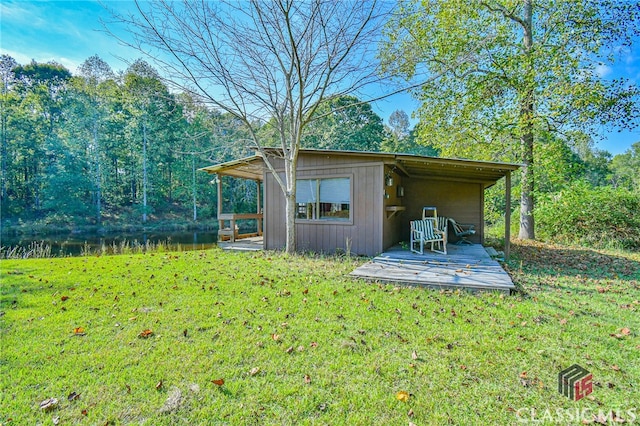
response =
{"points": [[324, 199]]}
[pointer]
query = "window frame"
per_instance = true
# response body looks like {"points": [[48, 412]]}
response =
{"points": [[329, 221]]}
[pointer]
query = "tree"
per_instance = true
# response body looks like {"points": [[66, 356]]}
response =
{"points": [[625, 168], [399, 124], [151, 108], [345, 123], [7, 101], [263, 60], [94, 73], [41, 88], [512, 71]]}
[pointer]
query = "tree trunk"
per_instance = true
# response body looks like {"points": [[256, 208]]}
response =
{"points": [[526, 199], [3, 155], [291, 164], [527, 131], [98, 177], [193, 171], [144, 171]]}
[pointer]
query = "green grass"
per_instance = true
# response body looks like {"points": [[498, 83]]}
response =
{"points": [[329, 349]]}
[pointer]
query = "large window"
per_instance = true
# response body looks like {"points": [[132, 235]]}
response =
{"points": [[324, 199]]}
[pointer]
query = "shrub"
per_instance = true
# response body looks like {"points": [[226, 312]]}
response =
{"points": [[586, 215]]}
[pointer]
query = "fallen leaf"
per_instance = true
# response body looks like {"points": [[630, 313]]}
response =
{"points": [[289, 349], [218, 382], [402, 396], [615, 368], [85, 412], [625, 331], [254, 371], [523, 375], [63, 298], [463, 367], [56, 420], [275, 337], [158, 385], [145, 333], [79, 331], [410, 413], [49, 404], [73, 396], [307, 379], [414, 355], [601, 419], [314, 344]]}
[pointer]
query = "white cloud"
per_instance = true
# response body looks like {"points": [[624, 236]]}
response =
{"points": [[21, 13], [41, 57], [602, 70]]}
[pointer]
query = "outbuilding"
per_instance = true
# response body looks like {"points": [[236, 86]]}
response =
{"points": [[362, 202]]}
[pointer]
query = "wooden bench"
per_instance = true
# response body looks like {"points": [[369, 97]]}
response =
{"points": [[230, 232]]}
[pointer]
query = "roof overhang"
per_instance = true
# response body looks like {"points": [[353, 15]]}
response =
{"points": [[453, 169], [246, 168], [409, 165]]}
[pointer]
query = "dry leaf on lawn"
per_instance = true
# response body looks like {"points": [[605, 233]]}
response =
{"points": [[49, 404], [145, 333], [402, 396]]}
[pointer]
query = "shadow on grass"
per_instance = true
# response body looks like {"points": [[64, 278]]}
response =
{"points": [[548, 264]]}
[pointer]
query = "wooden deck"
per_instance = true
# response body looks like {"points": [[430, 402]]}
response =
{"points": [[463, 267], [243, 244]]}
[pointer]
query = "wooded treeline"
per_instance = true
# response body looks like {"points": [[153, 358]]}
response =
{"points": [[108, 148], [100, 147]]}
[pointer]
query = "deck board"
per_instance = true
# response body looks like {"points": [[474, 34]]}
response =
{"points": [[463, 267], [243, 244]]}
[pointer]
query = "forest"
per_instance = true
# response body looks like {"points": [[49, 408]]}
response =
{"points": [[104, 149]]}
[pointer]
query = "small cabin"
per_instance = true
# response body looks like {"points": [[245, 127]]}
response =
{"points": [[362, 202]]}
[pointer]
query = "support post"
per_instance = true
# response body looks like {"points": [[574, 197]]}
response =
{"points": [[507, 215], [258, 206], [219, 182]]}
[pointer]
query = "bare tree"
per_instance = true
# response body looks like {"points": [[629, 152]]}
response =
{"points": [[272, 61]]}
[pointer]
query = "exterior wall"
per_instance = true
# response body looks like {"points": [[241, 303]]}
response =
{"points": [[393, 222], [460, 200], [364, 232]]}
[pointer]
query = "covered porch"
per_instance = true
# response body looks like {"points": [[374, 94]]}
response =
{"points": [[464, 267], [229, 231]]}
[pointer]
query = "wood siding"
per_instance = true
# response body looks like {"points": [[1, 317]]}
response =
{"points": [[364, 232], [460, 200], [393, 222]]}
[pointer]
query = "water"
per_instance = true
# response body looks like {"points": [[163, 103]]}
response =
{"points": [[76, 244]]}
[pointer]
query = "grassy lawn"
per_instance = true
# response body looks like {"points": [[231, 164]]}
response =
{"points": [[148, 339]]}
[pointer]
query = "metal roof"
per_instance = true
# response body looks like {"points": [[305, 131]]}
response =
{"points": [[412, 166], [247, 168]]}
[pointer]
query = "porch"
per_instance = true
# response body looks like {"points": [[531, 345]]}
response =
{"points": [[468, 267], [255, 243]]}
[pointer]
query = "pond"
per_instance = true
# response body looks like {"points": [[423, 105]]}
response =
{"points": [[76, 244]]}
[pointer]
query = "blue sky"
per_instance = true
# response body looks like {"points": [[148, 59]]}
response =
{"points": [[69, 32]]}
